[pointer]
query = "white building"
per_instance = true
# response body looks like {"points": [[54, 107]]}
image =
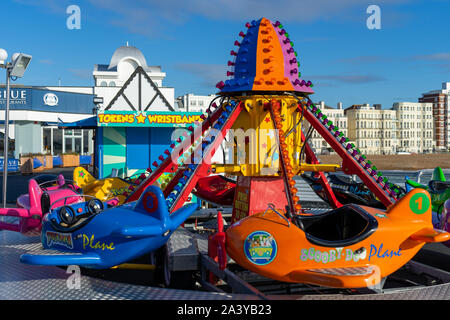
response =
{"points": [[339, 119], [112, 77], [406, 127], [371, 128], [34, 115], [195, 103], [414, 126]]}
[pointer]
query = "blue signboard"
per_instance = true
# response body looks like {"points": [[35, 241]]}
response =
{"points": [[13, 165], [19, 98], [47, 100]]}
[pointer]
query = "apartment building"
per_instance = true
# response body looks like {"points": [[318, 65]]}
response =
{"points": [[414, 127], [372, 129], [339, 119], [441, 114]]}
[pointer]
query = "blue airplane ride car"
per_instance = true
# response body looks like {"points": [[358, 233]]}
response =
{"points": [[89, 235]]}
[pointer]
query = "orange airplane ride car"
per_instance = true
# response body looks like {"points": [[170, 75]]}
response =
{"points": [[349, 247]]}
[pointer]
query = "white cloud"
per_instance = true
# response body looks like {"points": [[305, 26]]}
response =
{"points": [[151, 17], [441, 56], [352, 78], [55, 6], [47, 61]]}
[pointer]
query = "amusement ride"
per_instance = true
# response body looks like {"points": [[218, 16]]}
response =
{"points": [[259, 115]]}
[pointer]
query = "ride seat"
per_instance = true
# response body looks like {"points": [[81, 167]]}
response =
{"points": [[438, 186], [340, 227], [338, 179]]}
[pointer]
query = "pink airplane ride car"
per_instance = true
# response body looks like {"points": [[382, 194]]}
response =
{"points": [[33, 206]]}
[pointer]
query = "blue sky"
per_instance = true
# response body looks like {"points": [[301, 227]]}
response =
{"points": [[192, 39]]}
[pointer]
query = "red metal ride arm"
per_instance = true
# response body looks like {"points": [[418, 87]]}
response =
{"points": [[204, 168], [312, 159], [349, 164], [169, 165]]}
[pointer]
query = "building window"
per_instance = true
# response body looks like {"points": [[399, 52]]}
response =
{"points": [[86, 141], [68, 144], [76, 141], [57, 141], [112, 84], [47, 140], [103, 84]]}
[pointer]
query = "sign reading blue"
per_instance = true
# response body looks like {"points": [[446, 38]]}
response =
{"points": [[46, 100], [13, 164], [20, 97]]}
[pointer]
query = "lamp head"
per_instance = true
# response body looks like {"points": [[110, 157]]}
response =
{"points": [[14, 57], [19, 64], [3, 56]]}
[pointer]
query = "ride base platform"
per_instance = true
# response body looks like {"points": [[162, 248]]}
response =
{"points": [[187, 250], [426, 277]]}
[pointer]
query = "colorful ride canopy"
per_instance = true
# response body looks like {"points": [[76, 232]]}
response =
{"points": [[265, 61]]}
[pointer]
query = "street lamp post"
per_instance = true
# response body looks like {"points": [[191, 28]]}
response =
{"points": [[6, 135], [15, 68]]}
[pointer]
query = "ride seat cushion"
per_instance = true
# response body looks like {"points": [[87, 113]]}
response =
{"points": [[340, 227]]}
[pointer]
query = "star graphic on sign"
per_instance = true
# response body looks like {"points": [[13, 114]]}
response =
{"points": [[267, 119], [141, 118], [81, 174]]}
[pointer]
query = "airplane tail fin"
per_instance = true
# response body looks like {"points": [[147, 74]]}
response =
{"points": [[415, 204], [153, 203], [438, 174], [35, 193], [82, 177]]}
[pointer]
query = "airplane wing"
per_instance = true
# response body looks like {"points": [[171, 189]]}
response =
{"points": [[415, 184], [179, 216], [137, 232], [355, 277], [15, 212], [430, 235], [57, 258]]}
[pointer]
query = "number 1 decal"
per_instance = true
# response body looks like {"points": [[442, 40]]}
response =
{"points": [[419, 203]]}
